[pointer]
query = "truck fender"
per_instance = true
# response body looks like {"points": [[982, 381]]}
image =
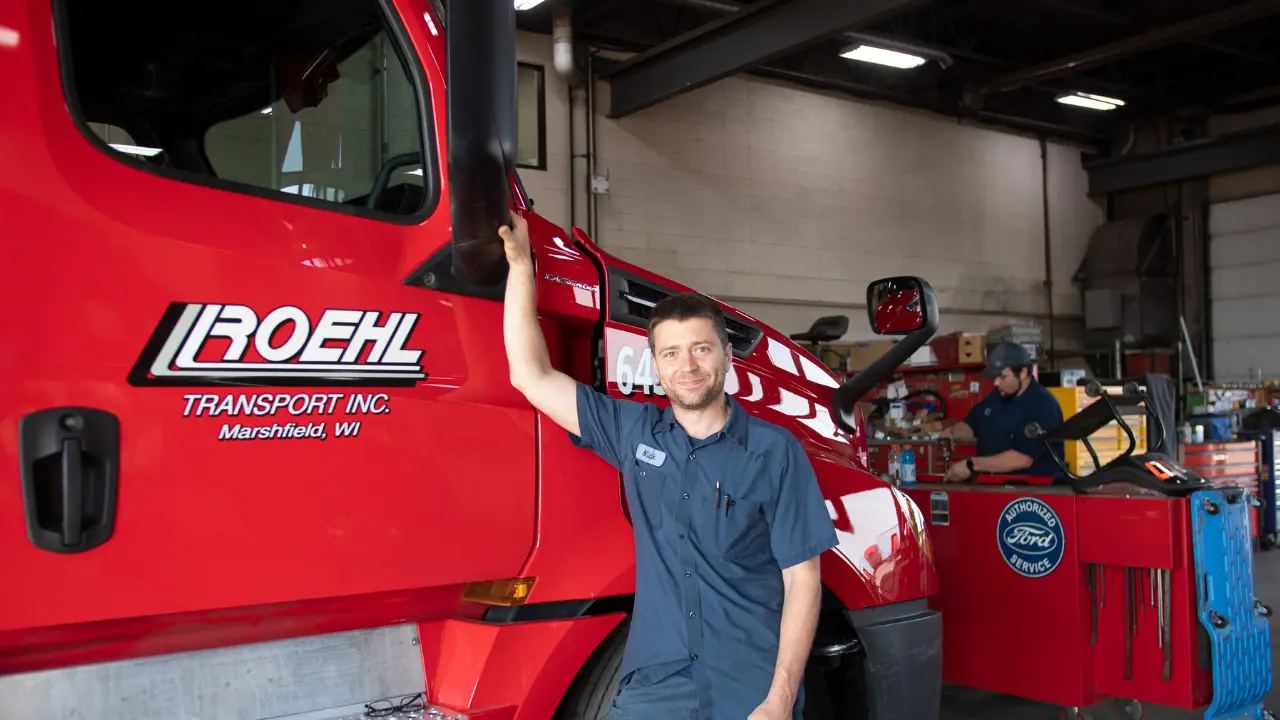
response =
{"points": [[883, 553]]}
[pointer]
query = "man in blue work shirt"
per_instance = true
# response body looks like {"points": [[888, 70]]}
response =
{"points": [[999, 422], [728, 518]]}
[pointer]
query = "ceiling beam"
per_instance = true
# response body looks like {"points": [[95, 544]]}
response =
{"points": [[737, 42], [1138, 44], [1102, 16], [1199, 158]]}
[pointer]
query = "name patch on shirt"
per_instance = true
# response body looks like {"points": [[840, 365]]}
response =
{"points": [[651, 455]]}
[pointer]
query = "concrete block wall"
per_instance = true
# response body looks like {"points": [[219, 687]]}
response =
{"points": [[786, 202]]}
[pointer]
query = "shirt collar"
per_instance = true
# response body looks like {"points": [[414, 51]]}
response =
{"points": [[736, 427]]}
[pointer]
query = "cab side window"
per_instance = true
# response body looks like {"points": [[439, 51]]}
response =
{"points": [[316, 103]]}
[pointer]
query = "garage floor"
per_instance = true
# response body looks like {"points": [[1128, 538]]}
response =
{"points": [[965, 704]]}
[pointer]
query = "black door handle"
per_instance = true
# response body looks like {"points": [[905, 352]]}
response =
{"points": [[72, 481], [70, 468]]}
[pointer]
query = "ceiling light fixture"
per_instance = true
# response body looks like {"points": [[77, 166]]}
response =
{"points": [[527, 4], [881, 56], [1090, 101], [1102, 98]]}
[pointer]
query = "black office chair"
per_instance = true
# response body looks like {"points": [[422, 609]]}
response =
{"points": [[824, 330]]}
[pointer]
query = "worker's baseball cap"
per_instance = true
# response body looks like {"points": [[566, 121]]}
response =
{"points": [[1002, 355]]}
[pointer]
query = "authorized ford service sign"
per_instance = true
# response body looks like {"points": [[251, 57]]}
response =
{"points": [[1030, 537]]}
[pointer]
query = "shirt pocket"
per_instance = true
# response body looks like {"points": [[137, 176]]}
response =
{"points": [[742, 535], [651, 484]]}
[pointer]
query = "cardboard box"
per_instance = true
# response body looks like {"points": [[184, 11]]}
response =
{"points": [[973, 349], [861, 355], [960, 348]]}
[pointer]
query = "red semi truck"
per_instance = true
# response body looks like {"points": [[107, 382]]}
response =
{"points": [[261, 453]]}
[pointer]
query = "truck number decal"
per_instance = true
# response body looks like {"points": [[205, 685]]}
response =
{"points": [[201, 344], [632, 374]]}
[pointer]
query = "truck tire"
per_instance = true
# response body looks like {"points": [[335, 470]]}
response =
{"points": [[591, 693]]}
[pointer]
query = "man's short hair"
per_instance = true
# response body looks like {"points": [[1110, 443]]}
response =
{"points": [[687, 306]]}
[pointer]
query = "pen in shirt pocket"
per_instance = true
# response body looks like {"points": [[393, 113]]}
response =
{"points": [[717, 494]]}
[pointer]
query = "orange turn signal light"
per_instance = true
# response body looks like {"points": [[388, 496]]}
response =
{"points": [[508, 593]]}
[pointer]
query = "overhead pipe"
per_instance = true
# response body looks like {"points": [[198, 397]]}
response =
{"points": [[593, 207], [562, 60]]}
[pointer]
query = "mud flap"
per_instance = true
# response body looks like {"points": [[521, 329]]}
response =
{"points": [[1229, 611], [903, 650]]}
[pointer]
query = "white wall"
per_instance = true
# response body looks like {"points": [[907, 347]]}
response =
{"points": [[1244, 261], [786, 201]]}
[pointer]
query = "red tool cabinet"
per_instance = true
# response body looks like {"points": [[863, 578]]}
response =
{"points": [[1034, 637], [1228, 464]]}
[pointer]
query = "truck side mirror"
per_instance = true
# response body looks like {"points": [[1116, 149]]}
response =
{"points": [[902, 305], [896, 306]]}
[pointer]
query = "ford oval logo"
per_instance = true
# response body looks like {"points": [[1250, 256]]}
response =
{"points": [[1030, 537]]}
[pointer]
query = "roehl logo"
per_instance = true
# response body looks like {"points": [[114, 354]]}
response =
{"points": [[199, 344]]}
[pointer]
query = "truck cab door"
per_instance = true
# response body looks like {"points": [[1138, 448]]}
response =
{"points": [[240, 408]]}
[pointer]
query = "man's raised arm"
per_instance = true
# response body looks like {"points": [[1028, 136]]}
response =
{"points": [[546, 388]]}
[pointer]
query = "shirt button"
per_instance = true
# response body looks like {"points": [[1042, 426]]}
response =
{"points": [[688, 574], [693, 615], [692, 455], [686, 496], [693, 657]]}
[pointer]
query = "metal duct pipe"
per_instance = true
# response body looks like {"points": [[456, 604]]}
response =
{"points": [[562, 42], [1048, 245]]}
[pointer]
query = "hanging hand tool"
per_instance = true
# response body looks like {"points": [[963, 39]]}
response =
{"points": [[1128, 624], [1166, 619], [1093, 603], [1129, 613], [1159, 588]]}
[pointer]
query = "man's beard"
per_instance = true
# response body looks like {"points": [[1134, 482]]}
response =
{"points": [[1009, 395], [703, 400]]}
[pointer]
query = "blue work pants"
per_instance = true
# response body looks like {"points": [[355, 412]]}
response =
{"points": [[654, 694]]}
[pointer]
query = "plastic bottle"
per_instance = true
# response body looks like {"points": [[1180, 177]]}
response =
{"points": [[894, 468], [907, 466]]}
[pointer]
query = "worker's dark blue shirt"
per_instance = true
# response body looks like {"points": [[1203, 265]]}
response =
{"points": [[1000, 423], [708, 566]]}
